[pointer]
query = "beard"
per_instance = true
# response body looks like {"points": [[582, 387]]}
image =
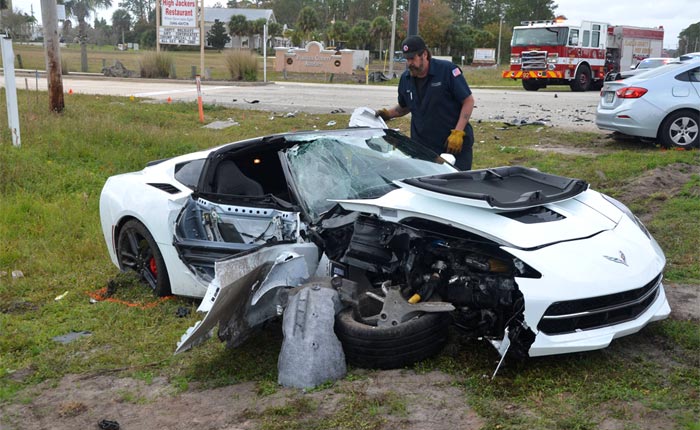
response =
{"points": [[415, 71]]}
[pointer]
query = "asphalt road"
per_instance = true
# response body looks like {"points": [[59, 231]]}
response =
{"points": [[559, 109]]}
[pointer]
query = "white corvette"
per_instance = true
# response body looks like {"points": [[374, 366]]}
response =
{"points": [[537, 264]]}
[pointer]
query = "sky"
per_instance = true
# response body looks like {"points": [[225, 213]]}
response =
{"points": [[672, 15]]}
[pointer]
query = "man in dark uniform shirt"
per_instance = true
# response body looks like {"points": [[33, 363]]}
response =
{"points": [[438, 97]]}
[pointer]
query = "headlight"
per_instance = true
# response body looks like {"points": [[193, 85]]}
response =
{"points": [[552, 58], [514, 59], [629, 214]]}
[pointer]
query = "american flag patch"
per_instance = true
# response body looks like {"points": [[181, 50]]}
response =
{"points": [[456, 72]]}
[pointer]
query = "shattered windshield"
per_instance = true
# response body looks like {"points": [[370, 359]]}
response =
{"points": [[359, 165]]}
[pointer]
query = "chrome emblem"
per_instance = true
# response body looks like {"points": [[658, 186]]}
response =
{"points": [[621, 260]]}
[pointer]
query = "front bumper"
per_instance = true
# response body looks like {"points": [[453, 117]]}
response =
{"points": [[600, 338]]}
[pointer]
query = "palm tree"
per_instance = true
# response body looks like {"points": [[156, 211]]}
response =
{"points": [[380, 28], [238, 26], [81, 9], [307, 21]]}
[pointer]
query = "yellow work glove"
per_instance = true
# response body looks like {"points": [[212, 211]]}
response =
{"points": [[383, 114], [454, 141]]}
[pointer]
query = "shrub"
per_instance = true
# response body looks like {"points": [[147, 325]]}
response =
{"points": [[155, 65], [242, 65], [65, 69]]}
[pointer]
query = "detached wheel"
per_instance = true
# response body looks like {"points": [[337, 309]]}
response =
{"points": [[680, 130], [582, 80], [369, 346], [138, 251]]}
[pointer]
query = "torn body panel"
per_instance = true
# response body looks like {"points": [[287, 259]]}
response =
{"points": [[249, 290]]}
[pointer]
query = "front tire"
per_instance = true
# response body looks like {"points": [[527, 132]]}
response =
{"points": [[582, 80], [375, 347], [531, 85], [138, 251], [680, 130]]}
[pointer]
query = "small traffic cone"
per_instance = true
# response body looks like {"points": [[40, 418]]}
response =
{"points": [[70, 91], [170, 100]]}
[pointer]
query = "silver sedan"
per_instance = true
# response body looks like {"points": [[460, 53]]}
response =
{"points": [[661, 104]]}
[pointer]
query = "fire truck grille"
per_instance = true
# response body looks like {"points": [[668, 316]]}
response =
{"points": [[534, 60]]}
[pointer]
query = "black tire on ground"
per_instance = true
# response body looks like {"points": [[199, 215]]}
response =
{"points": [[531, 85], [138, 251], [391, 347], [582, 80], [680, 130]]}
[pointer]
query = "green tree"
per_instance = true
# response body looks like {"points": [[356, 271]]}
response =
{"points": [[18, 25], [238, 26], [121, 23], [380, 28], [145, 33], [689, 39], [338, 31], [359, 35], [287, 11], [517, 11], [81, 9], [141, 9], [307, 21], [256, 28], [274, 29], [435, 19], [217, 36]]}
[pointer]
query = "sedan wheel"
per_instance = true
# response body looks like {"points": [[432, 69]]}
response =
{"points": [[680, 130], [137, 251]]}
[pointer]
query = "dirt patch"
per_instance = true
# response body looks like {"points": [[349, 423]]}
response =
{"points": [[77, 402], [430, 400], [684, 300], [570, 150], [658, 185]]}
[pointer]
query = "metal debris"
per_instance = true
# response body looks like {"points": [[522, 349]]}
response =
{"points": [[70, 337], [219, 125]]}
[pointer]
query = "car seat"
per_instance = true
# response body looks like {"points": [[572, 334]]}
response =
{"points": [[230, 180]]}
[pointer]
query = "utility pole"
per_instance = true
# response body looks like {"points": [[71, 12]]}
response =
{"points": [[393, 41], [53, 55], [413, 17]]}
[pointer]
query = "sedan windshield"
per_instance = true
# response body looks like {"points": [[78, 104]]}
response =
{"points": [[358, 165]]}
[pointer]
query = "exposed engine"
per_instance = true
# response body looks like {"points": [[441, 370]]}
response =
{"points": [[431, 261]]}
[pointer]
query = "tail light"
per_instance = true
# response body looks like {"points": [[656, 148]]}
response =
{"points": [[631, 92]]}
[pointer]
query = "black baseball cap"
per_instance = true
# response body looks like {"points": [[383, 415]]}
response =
{"points": [[412, 46]]}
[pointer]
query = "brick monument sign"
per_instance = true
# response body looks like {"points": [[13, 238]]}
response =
{"points": [[314, 59]]}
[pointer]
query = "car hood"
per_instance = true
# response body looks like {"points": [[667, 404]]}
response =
{"points": [[582, 216]]}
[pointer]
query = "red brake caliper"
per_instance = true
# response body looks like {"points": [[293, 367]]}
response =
{"points": [[153, 266]]}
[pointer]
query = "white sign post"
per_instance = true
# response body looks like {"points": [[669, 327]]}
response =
{"points": [[8, 63]]}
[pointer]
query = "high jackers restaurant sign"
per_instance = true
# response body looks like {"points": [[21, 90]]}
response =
{"points": [[178, 24], [179, 13]]}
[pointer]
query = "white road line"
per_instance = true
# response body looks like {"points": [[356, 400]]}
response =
{"points": [[190, 90]]}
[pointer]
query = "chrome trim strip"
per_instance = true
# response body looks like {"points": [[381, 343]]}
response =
{"points": [[654, 290]]}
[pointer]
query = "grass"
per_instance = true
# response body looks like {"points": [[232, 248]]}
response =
{"points": [[49, 225]]}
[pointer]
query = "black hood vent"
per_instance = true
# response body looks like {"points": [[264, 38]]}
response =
{"points": [[534, 215]]}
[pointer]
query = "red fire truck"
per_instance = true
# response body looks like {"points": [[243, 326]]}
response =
{"points": [[556, 53]]}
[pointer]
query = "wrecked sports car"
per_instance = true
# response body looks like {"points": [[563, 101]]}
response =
{"points": [[534, 263]]}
